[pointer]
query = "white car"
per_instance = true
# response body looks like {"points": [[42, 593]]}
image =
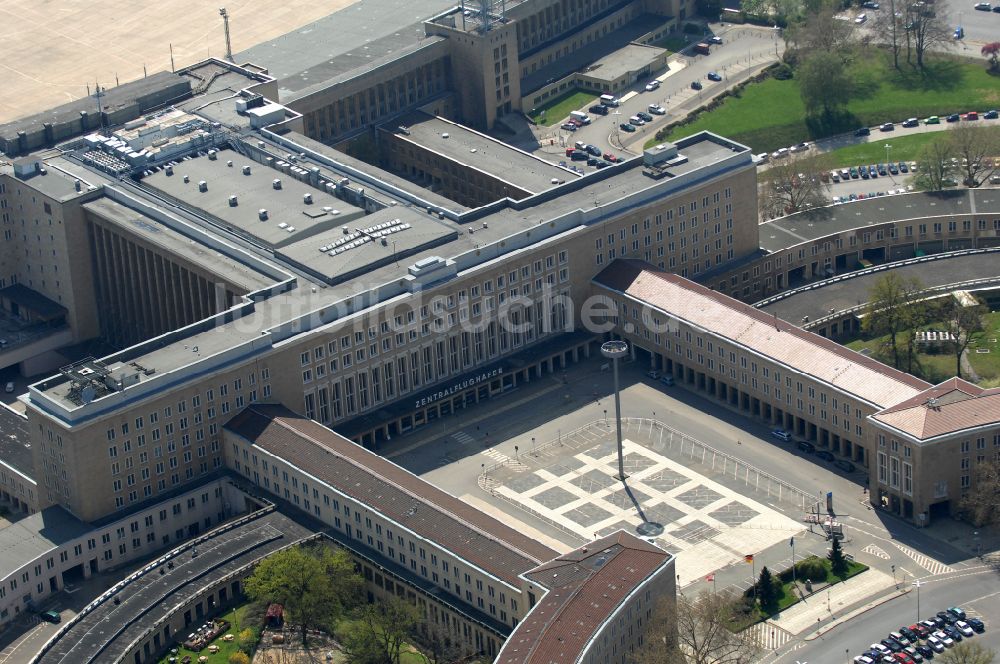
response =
{"points": [[944, 638], [935, 644], [656, 109], [881, 648], [963, 628], [9, 388], [861, 659], [652, 85]]}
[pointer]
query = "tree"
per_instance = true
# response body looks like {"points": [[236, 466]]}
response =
{"points": [[967, 652], [696, 631], [315, 585], [962, 321], [767, 594], [890, 308], [825, 84], [976, 149], [936, 166], [793, 184], [991, 52], [380, 631], [981, 503], [238, 657], [838, 562], [438, 645], [820, 31], [889, 27], [246, 640], [927, 30]]}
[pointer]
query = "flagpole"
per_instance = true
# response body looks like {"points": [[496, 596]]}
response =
{"points": [[753, 579]]}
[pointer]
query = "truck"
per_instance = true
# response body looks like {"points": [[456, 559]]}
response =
{"points": [[581, 116], [702, 48]]}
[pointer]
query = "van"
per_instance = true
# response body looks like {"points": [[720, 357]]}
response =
{"points": [[581, 116], [782, 435], [610, 100], [599, 109]]}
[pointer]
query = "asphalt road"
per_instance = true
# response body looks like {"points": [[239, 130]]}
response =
{"points": [[977, 591], [743, 47]]}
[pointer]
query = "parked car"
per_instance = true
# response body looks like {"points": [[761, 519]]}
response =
{"points": [[892, 644], [953, 632], [9, 387], [566, 126], [982, 6], [845, 465], [903, 168], [656, 109], [636, 120], [914, 654], [957, 612], [626, 127], [977, 625], [899, 637], [610, 157], [715, 39], [936, 644], [893, 169], [911, 122], [696, 85], [881, 649], [991, 115], [947, 617], [972, 115], [926, 651], [862, 131], [654, 374], [714, 76], [996, 9], [667, 380], [887, 126], [825, 456], [954, 117], [781, 435], [806, 446], [933, 120], [652, 85], [594, 150], [50, 616], [645, 116], [854, 173], [964, 628]]}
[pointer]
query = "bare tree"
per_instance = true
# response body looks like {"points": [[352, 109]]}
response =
{"points": [[697, 632], [968, 652], [821, 31], [927, 30], [891, 308], [981, 503], [793, 184], [936, 166], [978, 151], [962, 321]]}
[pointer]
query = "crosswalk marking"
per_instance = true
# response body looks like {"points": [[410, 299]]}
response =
{"points": [[496, 455], [931, 565], [876, 551], [462, 438], [769, 636]]}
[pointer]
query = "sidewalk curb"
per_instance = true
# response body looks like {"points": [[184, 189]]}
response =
{"points": [[855, 613]]}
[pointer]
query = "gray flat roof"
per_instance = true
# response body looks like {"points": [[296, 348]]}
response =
{"points": [[627, 59], [35, 535], [254, 192], [481, 152], [404, 230], [154, 232], [597, 49], [811, 225], [349, 39], [15, 444], [56, 183], [842, 294]]}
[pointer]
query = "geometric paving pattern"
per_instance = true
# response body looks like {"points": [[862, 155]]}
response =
{"points": [[706, 524]]}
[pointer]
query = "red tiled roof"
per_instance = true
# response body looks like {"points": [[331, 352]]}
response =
{"points": [[394, 492], [954, 405], [809, 353], [586, 586]]}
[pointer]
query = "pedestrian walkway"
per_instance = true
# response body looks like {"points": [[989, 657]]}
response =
{"points": [[769, 636], [833, 601], [496, 455], [877, 551], [463, 438], [928, 563]]}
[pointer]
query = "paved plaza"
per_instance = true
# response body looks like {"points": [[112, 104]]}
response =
{"points": [[706, 524]]}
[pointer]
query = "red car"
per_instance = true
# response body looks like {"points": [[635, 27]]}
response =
{"points": [[569, 152], [972, 115], [920, 630], [610, 157], [903, 658]]}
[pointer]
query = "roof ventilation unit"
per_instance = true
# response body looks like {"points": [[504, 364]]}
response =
{"points": [[262, 214], [202, 186], [232, 201], [276, 183], [169, 169], [212, 155], [186, 179], [229, 163], [246, 170], [307, 198]]}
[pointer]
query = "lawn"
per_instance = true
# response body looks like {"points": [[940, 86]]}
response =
{"points": [[672, 43], [935, 368], [904, 148], [770, 114], [557, 109], [237, 619]]}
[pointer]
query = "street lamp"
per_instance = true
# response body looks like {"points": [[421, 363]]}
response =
{"points": [[917, 584], [887, 147], [515, 453], [615, 350], [533, 445]]}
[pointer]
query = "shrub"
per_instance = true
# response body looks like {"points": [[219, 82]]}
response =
{"points": [[812, 569], [693, 29], [239, 657], [782, 72]]}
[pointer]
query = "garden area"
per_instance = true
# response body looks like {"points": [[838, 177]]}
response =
{"points": [[935, 363], [773, 594], [771, 113], [556, 110], [237, 637]]}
